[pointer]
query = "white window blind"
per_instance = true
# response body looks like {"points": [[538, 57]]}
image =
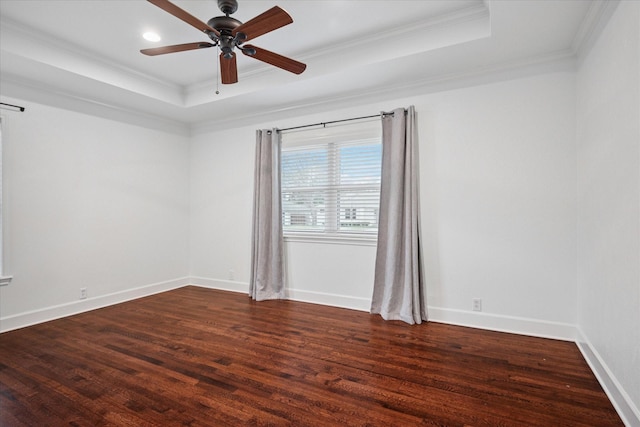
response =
{"points": [[331, 180]]}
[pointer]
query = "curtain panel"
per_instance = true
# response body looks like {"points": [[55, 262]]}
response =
{"points": [[399, 292], [267, 255]]}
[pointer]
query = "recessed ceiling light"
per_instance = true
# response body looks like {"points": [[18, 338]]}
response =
{"points": [[151, 36]]}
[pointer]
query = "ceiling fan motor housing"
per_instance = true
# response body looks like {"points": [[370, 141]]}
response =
{"points": [[224, 24]]}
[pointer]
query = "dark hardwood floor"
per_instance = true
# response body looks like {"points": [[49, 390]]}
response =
{"points": [[202, 357]]}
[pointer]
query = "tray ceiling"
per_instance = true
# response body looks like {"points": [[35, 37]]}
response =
{"points": [[88, 51]]}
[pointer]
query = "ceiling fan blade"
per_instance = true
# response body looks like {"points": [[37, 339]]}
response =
{"points": [[270, 20], [167, 6], [275, 59], [175, 48], [228, 69]]}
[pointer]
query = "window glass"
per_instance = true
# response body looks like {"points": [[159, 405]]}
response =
{"points": [[331, 181]]}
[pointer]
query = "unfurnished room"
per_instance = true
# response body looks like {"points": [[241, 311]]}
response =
{"points": [[320, 213]]}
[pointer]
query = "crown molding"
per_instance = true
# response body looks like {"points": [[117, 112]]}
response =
{"points": [[75, 59], [473, 13], [111, 72], [563, 60], [468, 15], [42, 93], [595, 18], [592, 25], [29, 90]]}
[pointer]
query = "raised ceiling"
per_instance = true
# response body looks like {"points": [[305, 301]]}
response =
{"points": [[87, 53]]}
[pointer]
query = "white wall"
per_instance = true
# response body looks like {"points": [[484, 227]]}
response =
{"points": [[498, 189], [221, 191], [221, 195], [608, 138], [90, 203], [498, 178], [112, 207]]}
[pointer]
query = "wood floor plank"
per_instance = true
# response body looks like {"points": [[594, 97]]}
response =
{"points": [[202, 357]]}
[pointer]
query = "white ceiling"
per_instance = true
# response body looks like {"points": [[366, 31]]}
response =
{"points": [[87, 51]]}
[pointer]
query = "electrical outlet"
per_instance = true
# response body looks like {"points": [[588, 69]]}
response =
{"points": [[232, 274], [83, 293], [477, 304]]}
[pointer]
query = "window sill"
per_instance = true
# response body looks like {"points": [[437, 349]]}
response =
{"points": [[5, 280], [331, 239]]}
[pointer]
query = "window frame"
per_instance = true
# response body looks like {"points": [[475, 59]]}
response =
{"points": [[362, 131]]}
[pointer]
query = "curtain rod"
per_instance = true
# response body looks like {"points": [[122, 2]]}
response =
{"points": [[338, 121], [12, 106]]}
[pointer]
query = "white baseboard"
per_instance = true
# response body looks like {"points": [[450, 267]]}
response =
{"points": [[334, 300], [501, 323], [29, 318], [516, 325], [223, 285], [628, 411]]}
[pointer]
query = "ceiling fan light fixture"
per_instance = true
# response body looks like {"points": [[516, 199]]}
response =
{"points": [[152, 36]]}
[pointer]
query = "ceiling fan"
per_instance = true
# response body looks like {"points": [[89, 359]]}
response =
{"points": [[229, 34]]}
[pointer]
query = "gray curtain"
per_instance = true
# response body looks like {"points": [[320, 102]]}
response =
{"points": [[398, 291], [267, 260]]}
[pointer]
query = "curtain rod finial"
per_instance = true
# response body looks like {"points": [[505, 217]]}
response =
{"points": [[12, 106]]}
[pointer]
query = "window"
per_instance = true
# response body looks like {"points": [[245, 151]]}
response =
{"points": [[331, 181], [350, 213]]}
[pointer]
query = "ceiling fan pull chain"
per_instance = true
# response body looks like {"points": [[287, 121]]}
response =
{"points": [[217, 76]]}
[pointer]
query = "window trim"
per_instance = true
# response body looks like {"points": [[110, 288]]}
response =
{"points": [[334, 239], [363, 130]]}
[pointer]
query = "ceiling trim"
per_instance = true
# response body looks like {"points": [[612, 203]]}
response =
{"points": [[41, 49], [467, 14], [592, 25], [28, 90], [564, 60], [31, 91], [470, 14], [173, 116]]}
